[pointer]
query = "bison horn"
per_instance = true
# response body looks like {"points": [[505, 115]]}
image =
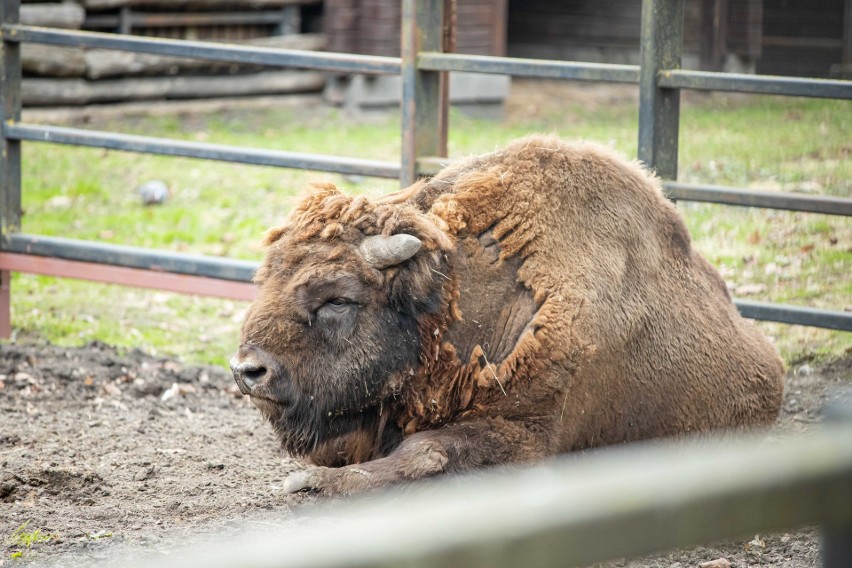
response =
{"points": [[380, 251]]}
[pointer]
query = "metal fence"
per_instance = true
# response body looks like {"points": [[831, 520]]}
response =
{"points": [[423, 68]]}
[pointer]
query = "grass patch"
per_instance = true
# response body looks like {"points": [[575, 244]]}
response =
{"points": [[22, 540], [224, 209]]}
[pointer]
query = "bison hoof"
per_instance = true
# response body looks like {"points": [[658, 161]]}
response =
{"points": [[302, 480], [328, 481]]}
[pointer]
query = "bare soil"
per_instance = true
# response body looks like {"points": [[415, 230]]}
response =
{"points": [[106, 451]]}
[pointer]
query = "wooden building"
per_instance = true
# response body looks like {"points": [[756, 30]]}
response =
{"points": [[811, 38], [372, 27], [787, 37]]}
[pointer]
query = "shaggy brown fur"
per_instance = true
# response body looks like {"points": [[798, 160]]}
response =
{"points": [[556, 305]]}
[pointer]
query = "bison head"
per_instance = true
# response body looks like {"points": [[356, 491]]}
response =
{"points": [[344, 291]]}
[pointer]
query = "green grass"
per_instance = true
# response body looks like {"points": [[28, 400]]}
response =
{"points": [[22, 540], [224, 209]]}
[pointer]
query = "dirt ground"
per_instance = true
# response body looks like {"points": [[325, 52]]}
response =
{"points": [[104, 452]]}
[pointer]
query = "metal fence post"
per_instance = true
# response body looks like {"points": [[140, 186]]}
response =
{"points": [[424, 109], [837, 539], [10, 150], [659, 108]]}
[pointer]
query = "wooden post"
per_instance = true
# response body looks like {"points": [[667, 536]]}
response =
{"points": [[659, 108], [424, 109], [847, 38], [125, 21], [10, 150], [714, 16], [291, 20]]}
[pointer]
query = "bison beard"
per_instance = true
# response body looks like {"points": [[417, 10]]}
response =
{"points": [[540, 299], [355, 404]]}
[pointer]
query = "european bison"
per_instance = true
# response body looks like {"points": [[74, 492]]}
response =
{"points": [[540, 299]]}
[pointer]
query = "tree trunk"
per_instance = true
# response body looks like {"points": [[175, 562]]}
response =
{"points": [[52, 61]]}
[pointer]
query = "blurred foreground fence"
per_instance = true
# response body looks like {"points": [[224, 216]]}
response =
{"points": [[611, 504], [423, 67]]}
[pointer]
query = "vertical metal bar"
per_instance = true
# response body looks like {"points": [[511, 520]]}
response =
{"points": [[659, 109], [836, 549], [423, 110], [10, 150]]}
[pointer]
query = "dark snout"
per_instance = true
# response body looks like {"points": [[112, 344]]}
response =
{"points": [[253, 368]]}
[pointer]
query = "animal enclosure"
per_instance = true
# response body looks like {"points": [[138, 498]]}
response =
{"points": [[424, 134]]}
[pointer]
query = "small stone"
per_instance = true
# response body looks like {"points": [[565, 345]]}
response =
{"points": [[154, 192], [170, 392], [24, 378], [718, 563], [805, 371]]}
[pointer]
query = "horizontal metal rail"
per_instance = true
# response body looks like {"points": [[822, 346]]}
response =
{"points": [[765, 84], [722, 195], [137, 277], [253, 55], [796, 315], [241, 271], [614, 503], [200, 150], [542, 68], [757, 198], [130, 257]]}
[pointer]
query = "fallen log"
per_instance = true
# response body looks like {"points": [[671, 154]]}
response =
{"points": [[101, 63], [52, 61], [103, 4], [46, 92], [69, 15]]}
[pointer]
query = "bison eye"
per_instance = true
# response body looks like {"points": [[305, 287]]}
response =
{"points": [[336, 307], [337, 319]]}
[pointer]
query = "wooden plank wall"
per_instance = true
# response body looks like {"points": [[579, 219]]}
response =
{"points": [[784, 37], [803, 37], [372, 27], [586, 30]]}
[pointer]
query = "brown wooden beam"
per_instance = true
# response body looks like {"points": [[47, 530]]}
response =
{"points": [[181, 283], [5, 305]]}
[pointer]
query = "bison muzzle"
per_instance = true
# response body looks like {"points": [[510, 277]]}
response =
{"points": [[540, 299]]}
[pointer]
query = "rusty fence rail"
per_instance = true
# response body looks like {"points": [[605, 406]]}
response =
{"points": [[423, 67]]}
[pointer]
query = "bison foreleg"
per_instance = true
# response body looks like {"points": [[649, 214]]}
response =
{"points": [[455, 448]]}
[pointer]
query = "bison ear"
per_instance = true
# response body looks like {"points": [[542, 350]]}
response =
{"points": [[381, 252]]}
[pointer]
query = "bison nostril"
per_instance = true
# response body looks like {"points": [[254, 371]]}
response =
{"points": [[247, 374], [253, 374]]}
